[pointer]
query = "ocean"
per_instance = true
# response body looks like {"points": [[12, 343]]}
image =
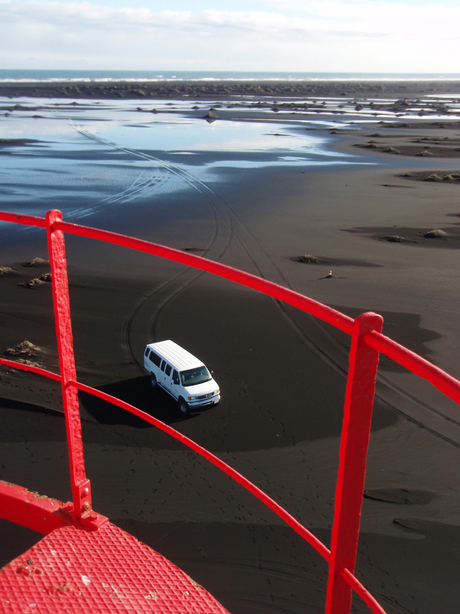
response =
{"points": [[12, 75]]}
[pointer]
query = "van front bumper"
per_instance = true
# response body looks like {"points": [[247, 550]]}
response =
{"points": [[204, 402]]}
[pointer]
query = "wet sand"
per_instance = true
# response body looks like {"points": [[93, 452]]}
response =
{"points": [[282, 374]]}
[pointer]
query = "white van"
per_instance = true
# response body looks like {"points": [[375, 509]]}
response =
{"points": [[182, 375]]}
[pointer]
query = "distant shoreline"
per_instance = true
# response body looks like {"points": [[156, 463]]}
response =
{"points": [[225, 89]]}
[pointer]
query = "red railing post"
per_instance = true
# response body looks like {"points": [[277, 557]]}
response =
{"points": [[81, 488], [359, 400]]}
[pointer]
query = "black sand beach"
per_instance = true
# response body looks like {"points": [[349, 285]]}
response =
{"points": [[282, 374]]}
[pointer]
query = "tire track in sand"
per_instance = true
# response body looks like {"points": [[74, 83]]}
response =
{"points": [[257, 255], [228, 226]]}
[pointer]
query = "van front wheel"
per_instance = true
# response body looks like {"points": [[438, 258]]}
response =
{"points": [[183, 407], [153, 380]]}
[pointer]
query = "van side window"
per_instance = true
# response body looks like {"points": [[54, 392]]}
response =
{"points": [[175, 377], [163, 365], [168, 369], [155, 358]]}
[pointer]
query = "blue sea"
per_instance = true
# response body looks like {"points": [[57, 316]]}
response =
{"points": [[11, 75]]}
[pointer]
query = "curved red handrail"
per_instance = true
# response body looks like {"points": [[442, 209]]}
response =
{"points": [[215, 460], [411, 361], [406, 358], [32, 368], [441, 380], [367, 343], [19, 218], [220, 464]]}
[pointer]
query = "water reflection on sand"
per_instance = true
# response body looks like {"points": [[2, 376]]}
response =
{"points": [[65, 154]]}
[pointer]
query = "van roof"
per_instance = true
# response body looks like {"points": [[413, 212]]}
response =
{"points": [[177, 357]]}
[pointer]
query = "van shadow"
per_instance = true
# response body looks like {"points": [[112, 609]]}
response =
{"points": [[138, 392]]}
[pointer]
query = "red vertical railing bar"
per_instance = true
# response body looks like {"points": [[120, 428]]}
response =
{"points": [[81, 488], [359, 400]]}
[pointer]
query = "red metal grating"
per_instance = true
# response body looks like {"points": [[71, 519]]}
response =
{"points": [[77, 570]]}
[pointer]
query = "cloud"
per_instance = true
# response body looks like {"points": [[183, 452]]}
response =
{"points": [[88, 15], [330, 35], [323, 16]]}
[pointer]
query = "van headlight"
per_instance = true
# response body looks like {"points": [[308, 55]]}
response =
{"points": [[191, 398]]}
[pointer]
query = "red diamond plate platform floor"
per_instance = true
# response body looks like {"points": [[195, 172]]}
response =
{"points": [[76, 570]]}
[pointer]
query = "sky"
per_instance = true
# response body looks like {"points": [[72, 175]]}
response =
{"points": [[415, 36]]}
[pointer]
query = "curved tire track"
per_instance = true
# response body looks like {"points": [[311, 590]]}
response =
{"points": [[228, 226]]}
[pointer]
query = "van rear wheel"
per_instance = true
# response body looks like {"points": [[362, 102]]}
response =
{"points": [[153, 380], [183, 407]]}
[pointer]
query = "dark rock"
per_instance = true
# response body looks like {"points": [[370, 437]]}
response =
{"points": [[435, 234], [37, 262], [433, 177], [307, 259]]}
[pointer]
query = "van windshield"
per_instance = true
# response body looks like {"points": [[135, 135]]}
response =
{"points": [[195, 376]]}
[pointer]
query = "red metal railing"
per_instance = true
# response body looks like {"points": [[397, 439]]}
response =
{"points": [[367, 343]]}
